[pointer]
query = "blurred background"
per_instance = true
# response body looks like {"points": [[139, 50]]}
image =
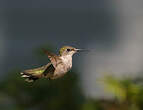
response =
{"points": [[108, 78]]}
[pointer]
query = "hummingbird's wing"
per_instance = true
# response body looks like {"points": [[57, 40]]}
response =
{"points": [[34, 74], [55, 60]]}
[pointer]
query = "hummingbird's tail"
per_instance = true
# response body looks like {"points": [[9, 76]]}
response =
{"points": [[32, 75], [29, 77]]}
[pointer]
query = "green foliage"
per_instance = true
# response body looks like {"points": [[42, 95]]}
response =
{"points": [[61, 94], [90, 104], [115, 87], [125, 91]]}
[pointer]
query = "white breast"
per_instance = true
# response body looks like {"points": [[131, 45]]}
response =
{"points": [[67, 60], [63, 68]]}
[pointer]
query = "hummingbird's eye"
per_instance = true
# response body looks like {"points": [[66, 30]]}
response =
{"points": [[68, 50]]}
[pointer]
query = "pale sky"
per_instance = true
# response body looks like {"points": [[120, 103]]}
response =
{"points": [[126, 59]]}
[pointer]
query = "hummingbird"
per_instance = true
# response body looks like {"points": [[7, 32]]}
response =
{"points": [[58, 66]]}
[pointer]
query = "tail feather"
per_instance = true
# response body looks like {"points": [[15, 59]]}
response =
{"points": [[29, 77], [32, 75]]}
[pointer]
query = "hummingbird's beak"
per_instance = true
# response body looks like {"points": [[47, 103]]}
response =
{"points": [[81, 50]]}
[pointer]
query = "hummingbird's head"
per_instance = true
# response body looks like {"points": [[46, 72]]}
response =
{"points": [[68, 50]]}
